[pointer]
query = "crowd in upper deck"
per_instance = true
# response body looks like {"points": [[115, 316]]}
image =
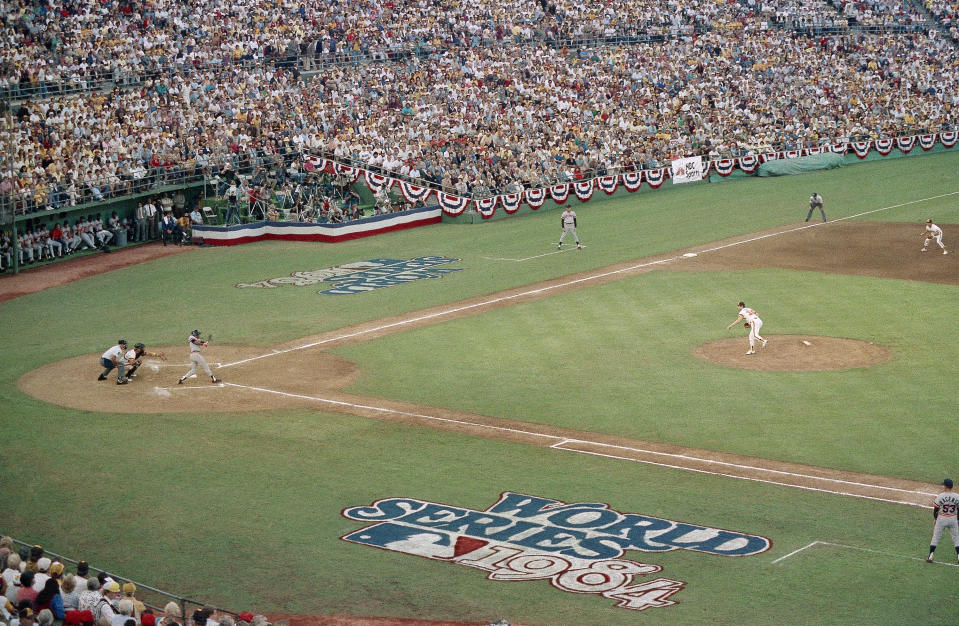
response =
{"points": [[476, 97]]}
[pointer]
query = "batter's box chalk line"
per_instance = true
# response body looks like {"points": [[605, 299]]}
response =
{"points": [[860, 549]]}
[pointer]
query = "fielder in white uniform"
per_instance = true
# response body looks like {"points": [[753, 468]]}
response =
{"points": [[750, 315], [944, 511], [933, 232], [568, 223], [196, 359]]}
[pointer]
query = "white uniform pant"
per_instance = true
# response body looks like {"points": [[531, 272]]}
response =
{"points": [[569, 230], [754, 335], [937, 238], [197, 360], [942, 523]]}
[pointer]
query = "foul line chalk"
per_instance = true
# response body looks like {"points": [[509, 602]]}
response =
{"points": [[576, 281], [559, 442], [871, 551]]}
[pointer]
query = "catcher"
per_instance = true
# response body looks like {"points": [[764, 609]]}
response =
{"points": [[135, 356]]}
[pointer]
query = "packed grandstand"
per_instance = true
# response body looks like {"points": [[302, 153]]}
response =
{"points": [[103, 100]]}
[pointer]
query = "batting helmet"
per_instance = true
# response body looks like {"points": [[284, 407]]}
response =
{"points": [[139, 346], [122, 342], [195, 333]]}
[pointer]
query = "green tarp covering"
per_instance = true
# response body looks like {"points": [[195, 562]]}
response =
{"points": [[801, 165]]}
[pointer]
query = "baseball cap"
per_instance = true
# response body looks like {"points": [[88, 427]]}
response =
{"points": [[947, 483], [113, 586], [122, 342]]}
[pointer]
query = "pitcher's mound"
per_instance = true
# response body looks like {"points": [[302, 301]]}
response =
{"points": [[795, 353]]}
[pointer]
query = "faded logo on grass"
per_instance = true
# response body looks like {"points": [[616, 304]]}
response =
{"points": [[363, 276], [577, 547]]}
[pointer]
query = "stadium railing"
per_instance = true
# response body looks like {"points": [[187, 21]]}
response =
{"points": [[152, 597]]}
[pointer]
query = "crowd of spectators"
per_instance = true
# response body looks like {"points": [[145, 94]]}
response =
{"points": [[35, 589], [946, 13], [720, 79], [891, 14]]}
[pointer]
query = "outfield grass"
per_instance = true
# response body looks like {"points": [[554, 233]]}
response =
{"points": [[618, 359], [243, 510]]}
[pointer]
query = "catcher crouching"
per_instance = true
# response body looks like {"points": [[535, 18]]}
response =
{"points": [[135, 358]]}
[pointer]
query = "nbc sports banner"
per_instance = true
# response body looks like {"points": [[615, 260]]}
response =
{"points": [[688, 170]]}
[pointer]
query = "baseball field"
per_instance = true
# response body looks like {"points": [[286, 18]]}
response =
{"points": [[486, 427]]}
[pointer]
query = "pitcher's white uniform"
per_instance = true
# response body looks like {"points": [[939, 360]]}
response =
{"points": [[755, 323], [568, 221], [196, 359], [933, 232]]}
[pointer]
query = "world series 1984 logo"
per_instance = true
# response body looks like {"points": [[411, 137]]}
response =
{"points": [[577, 547]]}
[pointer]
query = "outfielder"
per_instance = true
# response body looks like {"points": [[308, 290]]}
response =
{"points": [[944, 510], [933, 232], [568, 224], [197, 359], [753, 323], [815, 202], [134, 358]]}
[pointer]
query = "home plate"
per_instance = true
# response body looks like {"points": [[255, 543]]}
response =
{"points": [[690, 255], [806, 343]]}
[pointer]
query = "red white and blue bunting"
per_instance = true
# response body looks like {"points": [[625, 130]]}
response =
{"points": [[452, 205], [414, 193], [905, 144], [559, 193], [748, 163], [655, 178], [315, 164], [583, 189], [377, 181], [608, 184], [632, 181], [861, 148], [486, 207], [511, 202], [345, 170], [535, 198], [884, 146], [724, 167]]}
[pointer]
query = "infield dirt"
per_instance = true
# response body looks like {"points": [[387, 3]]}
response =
{"points": [[307, 375]]}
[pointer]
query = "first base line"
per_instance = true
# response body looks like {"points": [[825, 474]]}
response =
{"points": [[561, 443], [847, 547]]}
